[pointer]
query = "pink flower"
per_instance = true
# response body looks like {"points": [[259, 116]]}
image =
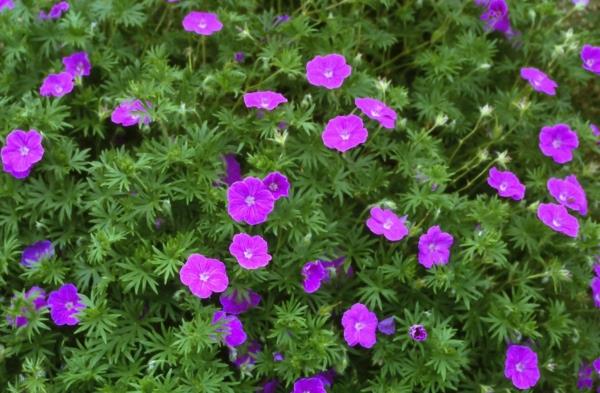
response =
{"points": [[558, 218], [539, 80], [203, 23], [558, 142], [251, 252], [360, 326], [434, 247], [377, 110], [57, 85], [203, 276], [568, 192], [249, 201], [328, 71], [343, 133], [387, 223], [267, 100], [278, 184], [507, 184]]}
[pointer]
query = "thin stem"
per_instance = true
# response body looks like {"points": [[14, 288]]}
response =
{"points": [[462, 141], [484, 171]]}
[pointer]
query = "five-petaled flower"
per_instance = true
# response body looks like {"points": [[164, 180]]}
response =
{"points": [[360, 326], [385, 222], [249, 201], [558, 219], [377, 110], [37, 251], [77, 64], [239, 301], [309, 385], [568, 192], [434, 247], [23, 149], [266, 100], [558, 141], [251, 252], [203, 23], [343, 133], [131, 113], [278, 184], [230, 327], [521, 366], [328, 71], [506, 183], [57, 85], [203, 275], [65, 305], [539, 80], [590, 56]]}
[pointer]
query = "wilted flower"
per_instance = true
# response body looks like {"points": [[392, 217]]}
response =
{"points": [[585, 377], [328, 71], [558, 218], [237, 302], [251, 252], [202, 23], [343, 133], [360, 326], [23, 149], [232, 169], [36, 296], [57, 85], [521, 366], [239, 57], [203, 276], [267, 100], [385, 222], [418, 333], [539, 80], [558, 141], [496, 16], [506, 183], [65, 305], [249, 201], [231, 328]]}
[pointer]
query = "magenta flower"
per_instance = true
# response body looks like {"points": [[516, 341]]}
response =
{"points": [[590, 55], [569, 193], [309, 385], [65, 305], [246, 359], [596, 365], [56, 11], [595, 131], [23, 149], [328, 71], [238, 302], [6, 5], [597, 268], [387, 326], [595, 287], [77, 64], [377, 110], [521, 366], [278, 184], [418, 333], [360, 326], [249, 201], [230, 327], [203, 23], [539, 80], [36, 252], [496, 16], [131, 113], [506, 183], [35, 296], [314, 274], [343, 133], [267, 100], [233, 171], [57, 85], [385, 222], [251, 252], [434, 247], [558, 141], [558, 219], [203, 276]]}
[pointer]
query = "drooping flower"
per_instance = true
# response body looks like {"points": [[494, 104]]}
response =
{"points": [[343, 133], [558, 141], [387, 326], [237, 302], [65, 305], [506, 183], [270, 386], [233, 171], [267, 100], [203, 275], [309, 385], [35, 297], [377, 110], [203, 23], [327, 377], [239, 57], [249, 201], [596, 365], [595, 131], [278, 184], [434, 247], [360, 326], [496, 16], [597, 268], [314, 274], [539, 80], [36, 252], [230, 327], [56, 11], [251, 252], [418, 333], [278, 357], [558, 219], [77, 64], [568, 192], [335, 268], [23, 149], [57, 85], [585, 377], [246, 359], [6, 5], [279, 19], [385, 222], [131, 113], [590, 55], [521, 366], [595, 287], [328, 71]]}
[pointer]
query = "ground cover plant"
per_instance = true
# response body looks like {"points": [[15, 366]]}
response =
{"points": [[314, 196]]}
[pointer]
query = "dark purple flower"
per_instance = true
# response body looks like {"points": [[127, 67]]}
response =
{"points": [[377, 110], [57, 85], [239, 57], [558, 141], [309, 385], [506, 183], [590, 55], [360, 326], [343, 133], [282, 125], [521, 366], [385, 222], [279, 19], [327, 377], [251, 252], [584, 377], [265, 100], [539, 80], [65, 305], [596, 364], [335, 268], [230, 327], [203, 23], [496, 16], [278, 184], [434, 247], [595, 131], [238, 302], [6, 5], [36, 252], [328, 71], [569, 193], [23, 149], [203, 276], [249, 201], [36, 297], [232, 169], [56, 11], [77, 64], [558, 218], [270, 386], [387, 326], [248, 358], [278, 357], [314, 273], [131, 113], [418, 333]]}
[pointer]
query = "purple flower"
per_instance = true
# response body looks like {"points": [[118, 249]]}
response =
{"points": [[328, 71], [239, 57], [506, 183], [248, 358], [377, 110], [569, 193], [6, 4], [418, 333], [35, 296], [385, 222], [130, 113], [558, 218], [231, 328], [596, 364], [251, 252], [203, 276], [582, 3], [434, 247], [57, 85], [36, 252], [249, 201], [203, 23], [360, 326], [270, 386], [309, 385], [595, 131], [343, 133], [77, 64], [558, 142], [65, 305], [539, 81], [521, 366], [238, 302], [232, 169], [387, 326], [335, 268], [56, 11], [23, 149], [327, 377], [584, 377], [278, 357], [279, 19], [267, 100], [314, 273], [278, 184], [496, 16], [595, 287], [597, 268], [590, 55]]}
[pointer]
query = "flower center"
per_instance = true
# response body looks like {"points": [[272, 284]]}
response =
{"points": [[202, 24], [555, 222], [264, 103], [432, 247], [69, 305], [345, 135], [204, 277], [562, 197], [79, 68], [520, 367], [359, 326], [58, 89], [503, 186], [556, 143], [328, 73], [249, 200], [376, 112], [24, 150], [387, 224], [248, 254], [273, 187]]}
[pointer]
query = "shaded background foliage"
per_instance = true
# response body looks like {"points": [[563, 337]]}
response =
{"points": [[100, 189]]}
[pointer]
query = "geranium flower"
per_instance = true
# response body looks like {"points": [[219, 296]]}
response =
{"points": [[251, 252], [77, 64], [203, 275], [130, 113], [506, 183], [267, 100], [568, 192], [57, 85], [23, 149], [387, 326], [496, 16], [558, 219], [314, 274], [328, 71], [203, 23], [377, 110], [249, 201], [65, 305], [590, 55], [278, 184], [385, 222], [56, 11], [6, 5], [343, 133], [309, 385], [231, 328], [232, 169], [558, 142], [37, 251], [434, 247], [238, 302], [539, 80], [360, 326], [521, 366]]}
